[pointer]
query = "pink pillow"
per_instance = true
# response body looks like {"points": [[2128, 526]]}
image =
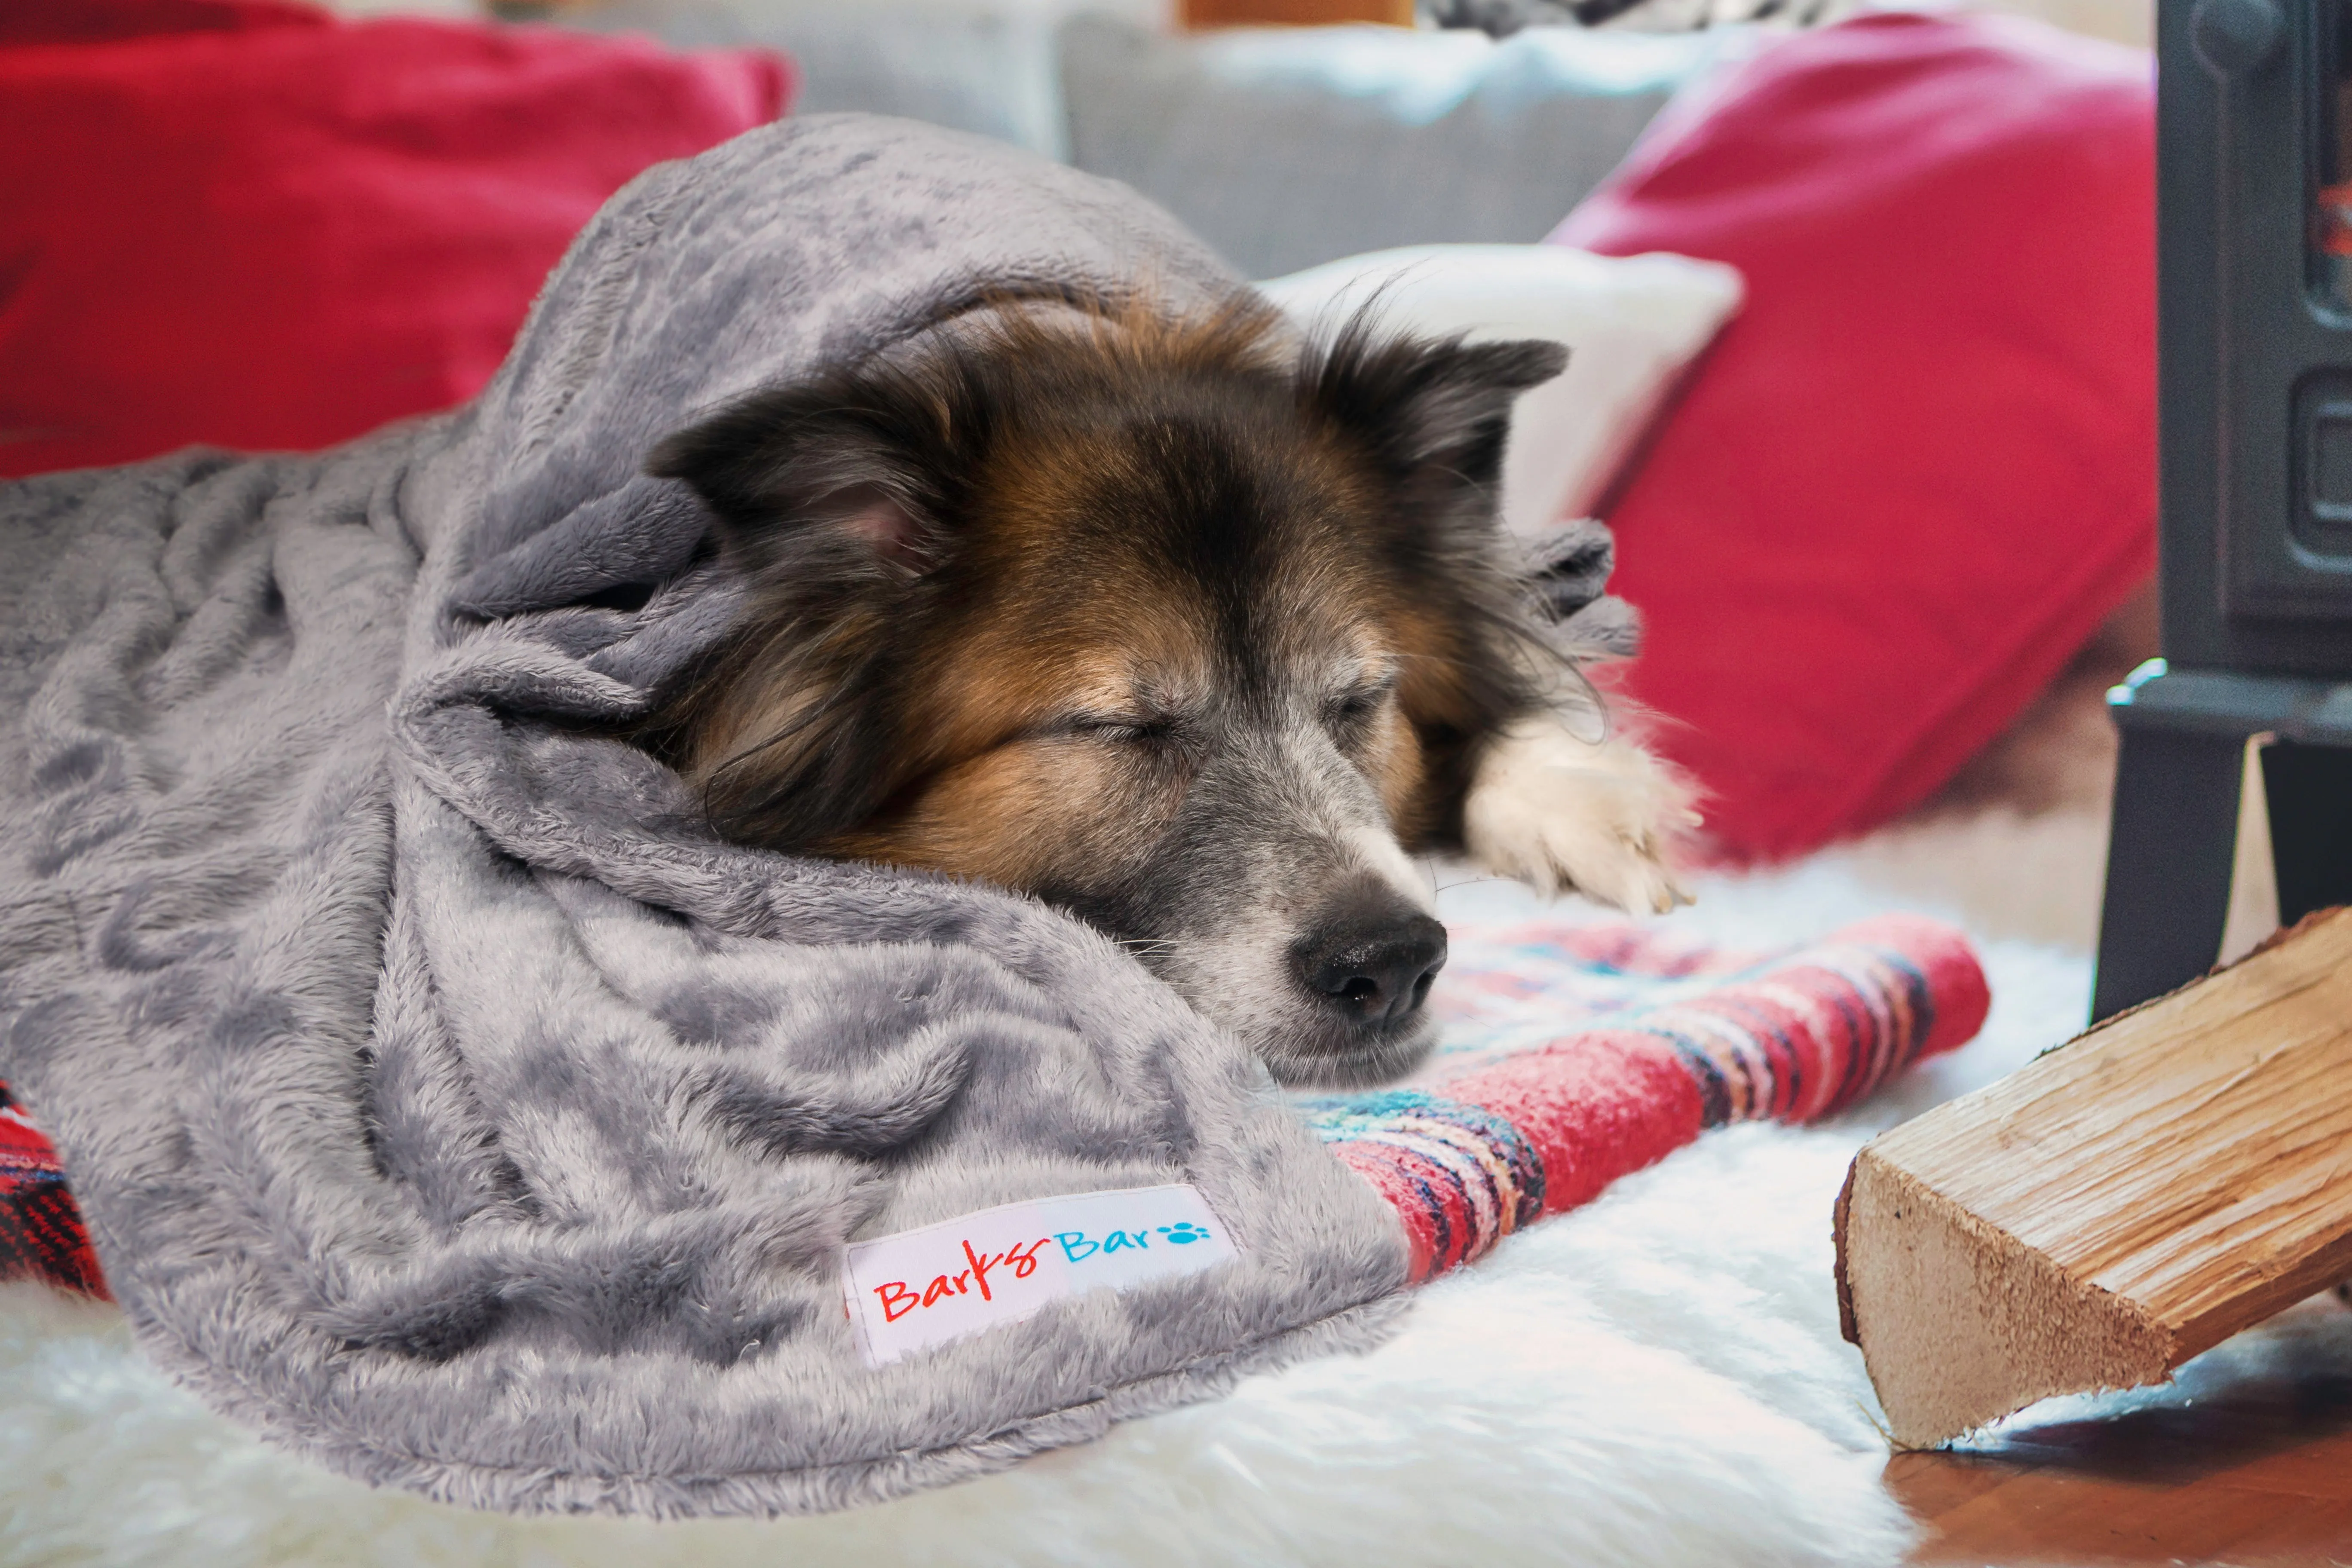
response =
{"points": [[260, 226], [1919, 469]]}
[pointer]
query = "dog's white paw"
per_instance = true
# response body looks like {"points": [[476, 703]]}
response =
{"points": [[1559, 813]]}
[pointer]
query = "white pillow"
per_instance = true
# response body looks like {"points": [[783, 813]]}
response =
{"points": [[1631, 323]]}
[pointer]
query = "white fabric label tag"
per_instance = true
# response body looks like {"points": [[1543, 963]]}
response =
{"points": [[922, 1288]]}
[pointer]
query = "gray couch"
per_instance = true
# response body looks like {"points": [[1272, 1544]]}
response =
{"points": [[1282, 147]]}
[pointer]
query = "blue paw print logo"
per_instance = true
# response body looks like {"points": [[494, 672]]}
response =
{"points": [[1183, 1232]]}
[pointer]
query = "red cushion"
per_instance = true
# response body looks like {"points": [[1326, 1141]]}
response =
{"points": [[265, 235], [1915, 475], [94, 21]]}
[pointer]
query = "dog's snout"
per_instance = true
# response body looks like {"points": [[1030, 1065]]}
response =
{"points": [[1372, 965]]}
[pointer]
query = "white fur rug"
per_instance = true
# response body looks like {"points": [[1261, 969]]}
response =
{"points": [[1654, 1380]]}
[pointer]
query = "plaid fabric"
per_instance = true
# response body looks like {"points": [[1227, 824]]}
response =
{"points": [[41, 1233], [1575, 1055]]}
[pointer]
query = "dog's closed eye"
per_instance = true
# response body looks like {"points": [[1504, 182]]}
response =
{"points": [[1119, 728], [1352, 708]]}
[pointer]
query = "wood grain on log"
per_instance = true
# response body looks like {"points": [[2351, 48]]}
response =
{"points": [[2093, 1220]]}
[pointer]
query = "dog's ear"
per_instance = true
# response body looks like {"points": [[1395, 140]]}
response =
{"points": [[1434, 412], [1434, 415], [865, 461], [833, 498]]}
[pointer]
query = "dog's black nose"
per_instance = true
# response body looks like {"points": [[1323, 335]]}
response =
{"points": [[1373, 964]]}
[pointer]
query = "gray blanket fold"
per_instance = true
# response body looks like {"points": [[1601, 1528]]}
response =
{"points": [[442, 1100]]}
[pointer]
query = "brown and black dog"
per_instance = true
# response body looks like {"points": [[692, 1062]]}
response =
{"points": [[1187, 626]]}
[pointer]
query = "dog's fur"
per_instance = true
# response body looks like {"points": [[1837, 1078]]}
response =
{"points": [[1179, 624]]}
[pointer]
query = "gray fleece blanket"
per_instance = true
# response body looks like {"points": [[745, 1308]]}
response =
{"points": [[443, 1102]]}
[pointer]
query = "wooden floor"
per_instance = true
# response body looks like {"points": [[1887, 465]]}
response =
{"points": [[2246, 1460]]}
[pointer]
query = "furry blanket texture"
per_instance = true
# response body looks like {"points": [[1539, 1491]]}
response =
{"points": [[1654, 1380], [442, 1099], [1571, 1055]]}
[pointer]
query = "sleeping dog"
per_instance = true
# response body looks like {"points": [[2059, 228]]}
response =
{"points": [[1193, 630]]}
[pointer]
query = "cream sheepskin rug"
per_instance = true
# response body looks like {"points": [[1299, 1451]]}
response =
{"points": [[1657, 1379]]}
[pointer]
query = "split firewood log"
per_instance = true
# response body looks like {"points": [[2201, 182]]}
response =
{"points": [[2181, 1172]]}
